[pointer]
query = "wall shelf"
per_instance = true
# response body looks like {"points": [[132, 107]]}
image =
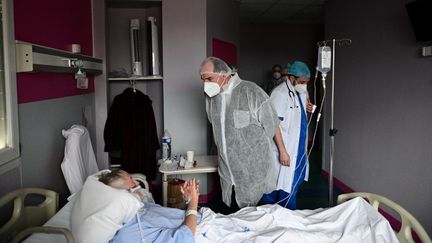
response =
{"points": [[37, 58], [136, 78]]}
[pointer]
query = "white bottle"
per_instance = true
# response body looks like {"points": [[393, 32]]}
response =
{"points": [[166, 145]]}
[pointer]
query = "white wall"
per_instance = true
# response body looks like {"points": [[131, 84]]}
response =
{"points": [[225, 25], [382, 104], [263, 45], [184, 47], [100, 81], [42, 142], [188, 28]]}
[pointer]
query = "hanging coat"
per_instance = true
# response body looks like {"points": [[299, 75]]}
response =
{"points": [[131, 129], [289, 112]]}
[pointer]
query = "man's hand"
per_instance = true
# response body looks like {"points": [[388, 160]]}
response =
{"points": [[190, 190], [284, 158], [309, 106]]}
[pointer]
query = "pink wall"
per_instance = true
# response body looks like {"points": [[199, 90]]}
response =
{"points": [[225, 51], [56, 24]]}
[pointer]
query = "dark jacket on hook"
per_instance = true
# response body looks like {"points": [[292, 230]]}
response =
{"points": [[131, 129]]}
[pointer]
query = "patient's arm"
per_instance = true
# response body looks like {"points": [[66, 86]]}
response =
{"points": [[190, 190]]}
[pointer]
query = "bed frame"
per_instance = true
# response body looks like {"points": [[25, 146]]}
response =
{"points": [[408, 224], [24, 217], [27, 220]]}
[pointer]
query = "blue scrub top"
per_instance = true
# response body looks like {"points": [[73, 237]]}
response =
{"points": [[302, 140]]}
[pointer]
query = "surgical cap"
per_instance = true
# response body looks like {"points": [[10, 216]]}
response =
{"points": [[299, 69], [219, 66]]}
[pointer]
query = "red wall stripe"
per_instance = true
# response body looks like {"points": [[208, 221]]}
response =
{"points": [[56, 24], [225, 51], [42, 86]]}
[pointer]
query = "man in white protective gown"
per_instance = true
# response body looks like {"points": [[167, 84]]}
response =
{"points": [[244, 123]]}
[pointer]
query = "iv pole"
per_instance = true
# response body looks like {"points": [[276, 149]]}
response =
{"points": [[333, 130]]}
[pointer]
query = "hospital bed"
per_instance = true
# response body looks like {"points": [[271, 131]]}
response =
{"points": [[57, 228], [41, 221], [408, 222]]}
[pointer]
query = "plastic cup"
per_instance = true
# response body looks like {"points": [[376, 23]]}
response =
{"points": [[189, 156]]}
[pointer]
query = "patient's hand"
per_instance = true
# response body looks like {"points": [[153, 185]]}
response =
{"points": [[190, 190]]}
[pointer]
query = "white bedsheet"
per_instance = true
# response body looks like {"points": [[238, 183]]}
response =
{"points": [[353, 221], [60, 219]]}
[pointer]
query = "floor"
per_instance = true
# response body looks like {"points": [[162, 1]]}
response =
{"points": [[311, 194]]}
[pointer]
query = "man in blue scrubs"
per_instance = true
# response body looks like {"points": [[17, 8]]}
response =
{"points": [[291, 102]]}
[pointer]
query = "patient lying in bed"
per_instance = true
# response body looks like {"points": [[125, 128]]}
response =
{"points": [[353, 221], [109, 200], [168, 225]]}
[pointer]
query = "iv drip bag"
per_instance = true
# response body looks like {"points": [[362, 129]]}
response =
{"points": [[324, 59]]}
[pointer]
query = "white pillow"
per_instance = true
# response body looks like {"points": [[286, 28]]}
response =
{"points": [[100, 210]]}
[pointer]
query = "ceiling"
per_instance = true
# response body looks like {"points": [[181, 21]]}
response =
{"points": [[282, 11]]}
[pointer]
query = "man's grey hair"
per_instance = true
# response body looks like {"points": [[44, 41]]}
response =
{"points": [[219, 66], [113, 178]]}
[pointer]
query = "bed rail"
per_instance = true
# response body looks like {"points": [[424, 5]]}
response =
{"points": [[409, 223], [46, 230], [27, 216]]}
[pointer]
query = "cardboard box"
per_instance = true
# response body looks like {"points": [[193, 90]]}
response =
{"points": [[175, 196]]}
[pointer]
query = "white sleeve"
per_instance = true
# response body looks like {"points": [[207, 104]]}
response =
{"points": [[279, 101], [208, 108]]}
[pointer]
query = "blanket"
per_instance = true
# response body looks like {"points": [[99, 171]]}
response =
{"points": [[352, 221]]}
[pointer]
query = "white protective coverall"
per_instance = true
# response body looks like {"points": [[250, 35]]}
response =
{"points": [[79, 160], [288, 110], [244, 123]]}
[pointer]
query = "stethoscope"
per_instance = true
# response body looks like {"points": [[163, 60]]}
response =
{"points": [[292, 96]]}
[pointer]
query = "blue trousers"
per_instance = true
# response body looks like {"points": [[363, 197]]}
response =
{"points": [[283, 198]]}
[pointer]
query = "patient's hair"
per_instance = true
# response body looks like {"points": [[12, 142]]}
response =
{"points": [[113, 178]]}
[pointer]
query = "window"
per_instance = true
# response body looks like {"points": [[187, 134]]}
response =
{"points": [[8, 103]]}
